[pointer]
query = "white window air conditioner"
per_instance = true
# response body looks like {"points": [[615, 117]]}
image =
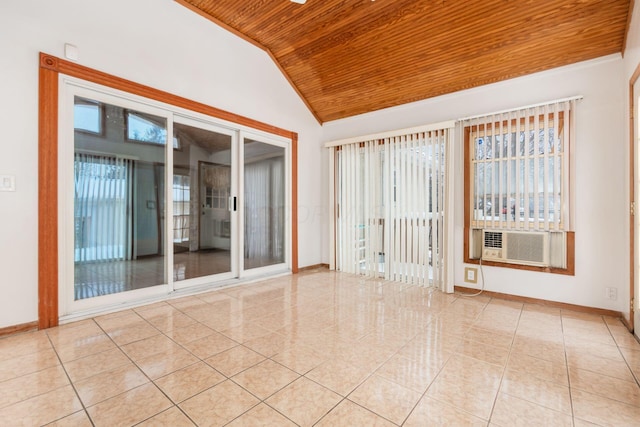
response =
{"points": [[527, 248]]}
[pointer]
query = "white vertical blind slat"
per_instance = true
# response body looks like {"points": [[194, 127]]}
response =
{"points": [[424, 217], [396, 209], [413, 275], [401, 218], [545, 142], [536, 170], [498, 162], [332, 200], [527, 171], [348, 209], [567, 146], [387, 185], [363, 223], [508, 144], [519, 154], [434, 209], [556, 168]]}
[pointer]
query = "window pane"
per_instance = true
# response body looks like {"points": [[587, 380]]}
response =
{"points": [[202, 171], [87, 115], [264, 197], [118, 208], [146, 128]]}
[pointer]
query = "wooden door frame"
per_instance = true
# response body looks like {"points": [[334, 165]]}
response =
{"points": [[50, 69], [632, 196]]}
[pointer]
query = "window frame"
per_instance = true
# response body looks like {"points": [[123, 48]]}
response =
{"points": [[507, 127], [515, 126], [101, 116]]}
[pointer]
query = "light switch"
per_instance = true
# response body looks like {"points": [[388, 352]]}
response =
{"points": [[7, 183]]}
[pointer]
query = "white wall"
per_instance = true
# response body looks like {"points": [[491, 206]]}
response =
{"points": [[155, 42], [601, 209]]}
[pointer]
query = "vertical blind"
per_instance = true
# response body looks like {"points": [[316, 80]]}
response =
{"points": [[391, 195], [264, 200], [519, 165], [102, 205]]}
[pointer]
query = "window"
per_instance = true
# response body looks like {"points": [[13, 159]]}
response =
{"points": [[181, 212], [517, 173], [87, 115], [147, 128]]}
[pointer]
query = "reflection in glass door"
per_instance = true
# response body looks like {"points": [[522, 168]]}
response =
{"points": [[202, 215], [264, 204], [118, 199], [152, 202]]}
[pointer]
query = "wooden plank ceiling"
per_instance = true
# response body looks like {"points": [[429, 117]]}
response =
{"points": [[347, 57]]}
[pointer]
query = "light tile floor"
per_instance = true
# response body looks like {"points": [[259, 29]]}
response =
{"points": [[326, 349]]}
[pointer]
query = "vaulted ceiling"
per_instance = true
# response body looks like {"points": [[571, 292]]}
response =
{"points": [[347, 57]]}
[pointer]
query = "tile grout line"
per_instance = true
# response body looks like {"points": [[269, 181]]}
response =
{"points": [[71, 383], [504, 369], [142, 371], [424, 394], [566, 363], [368, 294], [633, 374]]}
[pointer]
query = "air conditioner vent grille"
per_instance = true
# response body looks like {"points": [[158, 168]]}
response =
{"points": [[526, 247], [493, 239]]}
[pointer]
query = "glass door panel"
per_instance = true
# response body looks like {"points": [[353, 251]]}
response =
{"points": [[264, 200], [118, 199], [202, 213]]}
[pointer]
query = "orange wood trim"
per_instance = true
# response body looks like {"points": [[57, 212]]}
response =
{"points": [[571, 263], [48, 194], [627, 26], [629, 327], [546, 303], [632, 198], [632, 195], [50, 68], [24, 327], [571, 255], [313, 267], [99, 77], [294, 202]]}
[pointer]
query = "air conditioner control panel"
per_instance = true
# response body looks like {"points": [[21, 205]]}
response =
{"points": [[492, 253]]}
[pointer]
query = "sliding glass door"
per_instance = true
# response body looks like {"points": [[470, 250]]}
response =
{"points": [[204, 203], [156, 199], [264, 203], [118, 198]]}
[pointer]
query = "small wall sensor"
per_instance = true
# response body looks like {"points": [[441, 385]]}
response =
{"points": [[70, 52]]}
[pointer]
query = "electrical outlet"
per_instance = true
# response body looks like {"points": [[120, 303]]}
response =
{"points": [[471, 275], [611, 293]]}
